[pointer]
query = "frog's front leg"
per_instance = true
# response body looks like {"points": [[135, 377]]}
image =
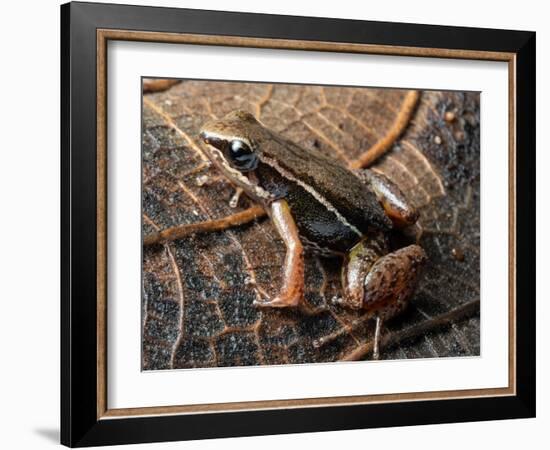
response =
{"points": [[292, 292], [379, 284]]}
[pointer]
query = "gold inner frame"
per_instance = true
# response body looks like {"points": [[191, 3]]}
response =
{"points": [[103, 36]]}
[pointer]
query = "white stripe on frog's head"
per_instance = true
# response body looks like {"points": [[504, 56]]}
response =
{"points": [[218, 140]]}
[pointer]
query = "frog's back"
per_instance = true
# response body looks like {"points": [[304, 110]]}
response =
{"points": [[333, 184]]}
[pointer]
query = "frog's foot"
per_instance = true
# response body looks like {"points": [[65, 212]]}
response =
{"points": [[376, 346], [234, 201], [299, 304], [345, 302], [389, 285], [383, 285], [281, 301], [291, 295]]}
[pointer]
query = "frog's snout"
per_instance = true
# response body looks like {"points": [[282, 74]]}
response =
{"points": [[212, 140], [204, 136]]}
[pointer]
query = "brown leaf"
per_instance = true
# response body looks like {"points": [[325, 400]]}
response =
{"points": [[198, 291]]}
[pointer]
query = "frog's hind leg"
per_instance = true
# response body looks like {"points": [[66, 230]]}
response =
{"points": [[381, 285], [390, 283], [396, 205]]}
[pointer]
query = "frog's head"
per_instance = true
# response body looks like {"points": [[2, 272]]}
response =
{"points": [[232, 144], [231, 140]]}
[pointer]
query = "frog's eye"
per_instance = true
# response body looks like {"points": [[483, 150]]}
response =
{"points": [[239, 150], [242, 155]]}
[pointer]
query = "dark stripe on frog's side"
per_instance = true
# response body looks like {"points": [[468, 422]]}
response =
{"points": [[316, 223], [339, 186]]}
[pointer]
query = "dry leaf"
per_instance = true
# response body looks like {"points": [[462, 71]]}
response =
{"points": [[198, 291]]}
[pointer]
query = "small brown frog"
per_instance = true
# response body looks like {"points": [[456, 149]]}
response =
{"points": [[313, 201]]}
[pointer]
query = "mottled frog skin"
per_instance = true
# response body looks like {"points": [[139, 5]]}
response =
{"points": [[313, 201]]}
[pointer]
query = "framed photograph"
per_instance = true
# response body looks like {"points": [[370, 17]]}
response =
{"points": [[276, 224]]}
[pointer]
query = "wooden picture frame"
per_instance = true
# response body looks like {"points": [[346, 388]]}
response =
{"points": [[86, 418]]}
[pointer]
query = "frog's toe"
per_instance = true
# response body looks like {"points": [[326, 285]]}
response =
{"points": [[279, 302]]}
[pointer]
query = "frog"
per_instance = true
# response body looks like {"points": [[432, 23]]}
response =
{"points": [[315, 203]]}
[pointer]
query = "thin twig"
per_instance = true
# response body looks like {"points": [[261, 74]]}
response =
{"points": [[391, 339], [397, 128], [181, 231]]}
